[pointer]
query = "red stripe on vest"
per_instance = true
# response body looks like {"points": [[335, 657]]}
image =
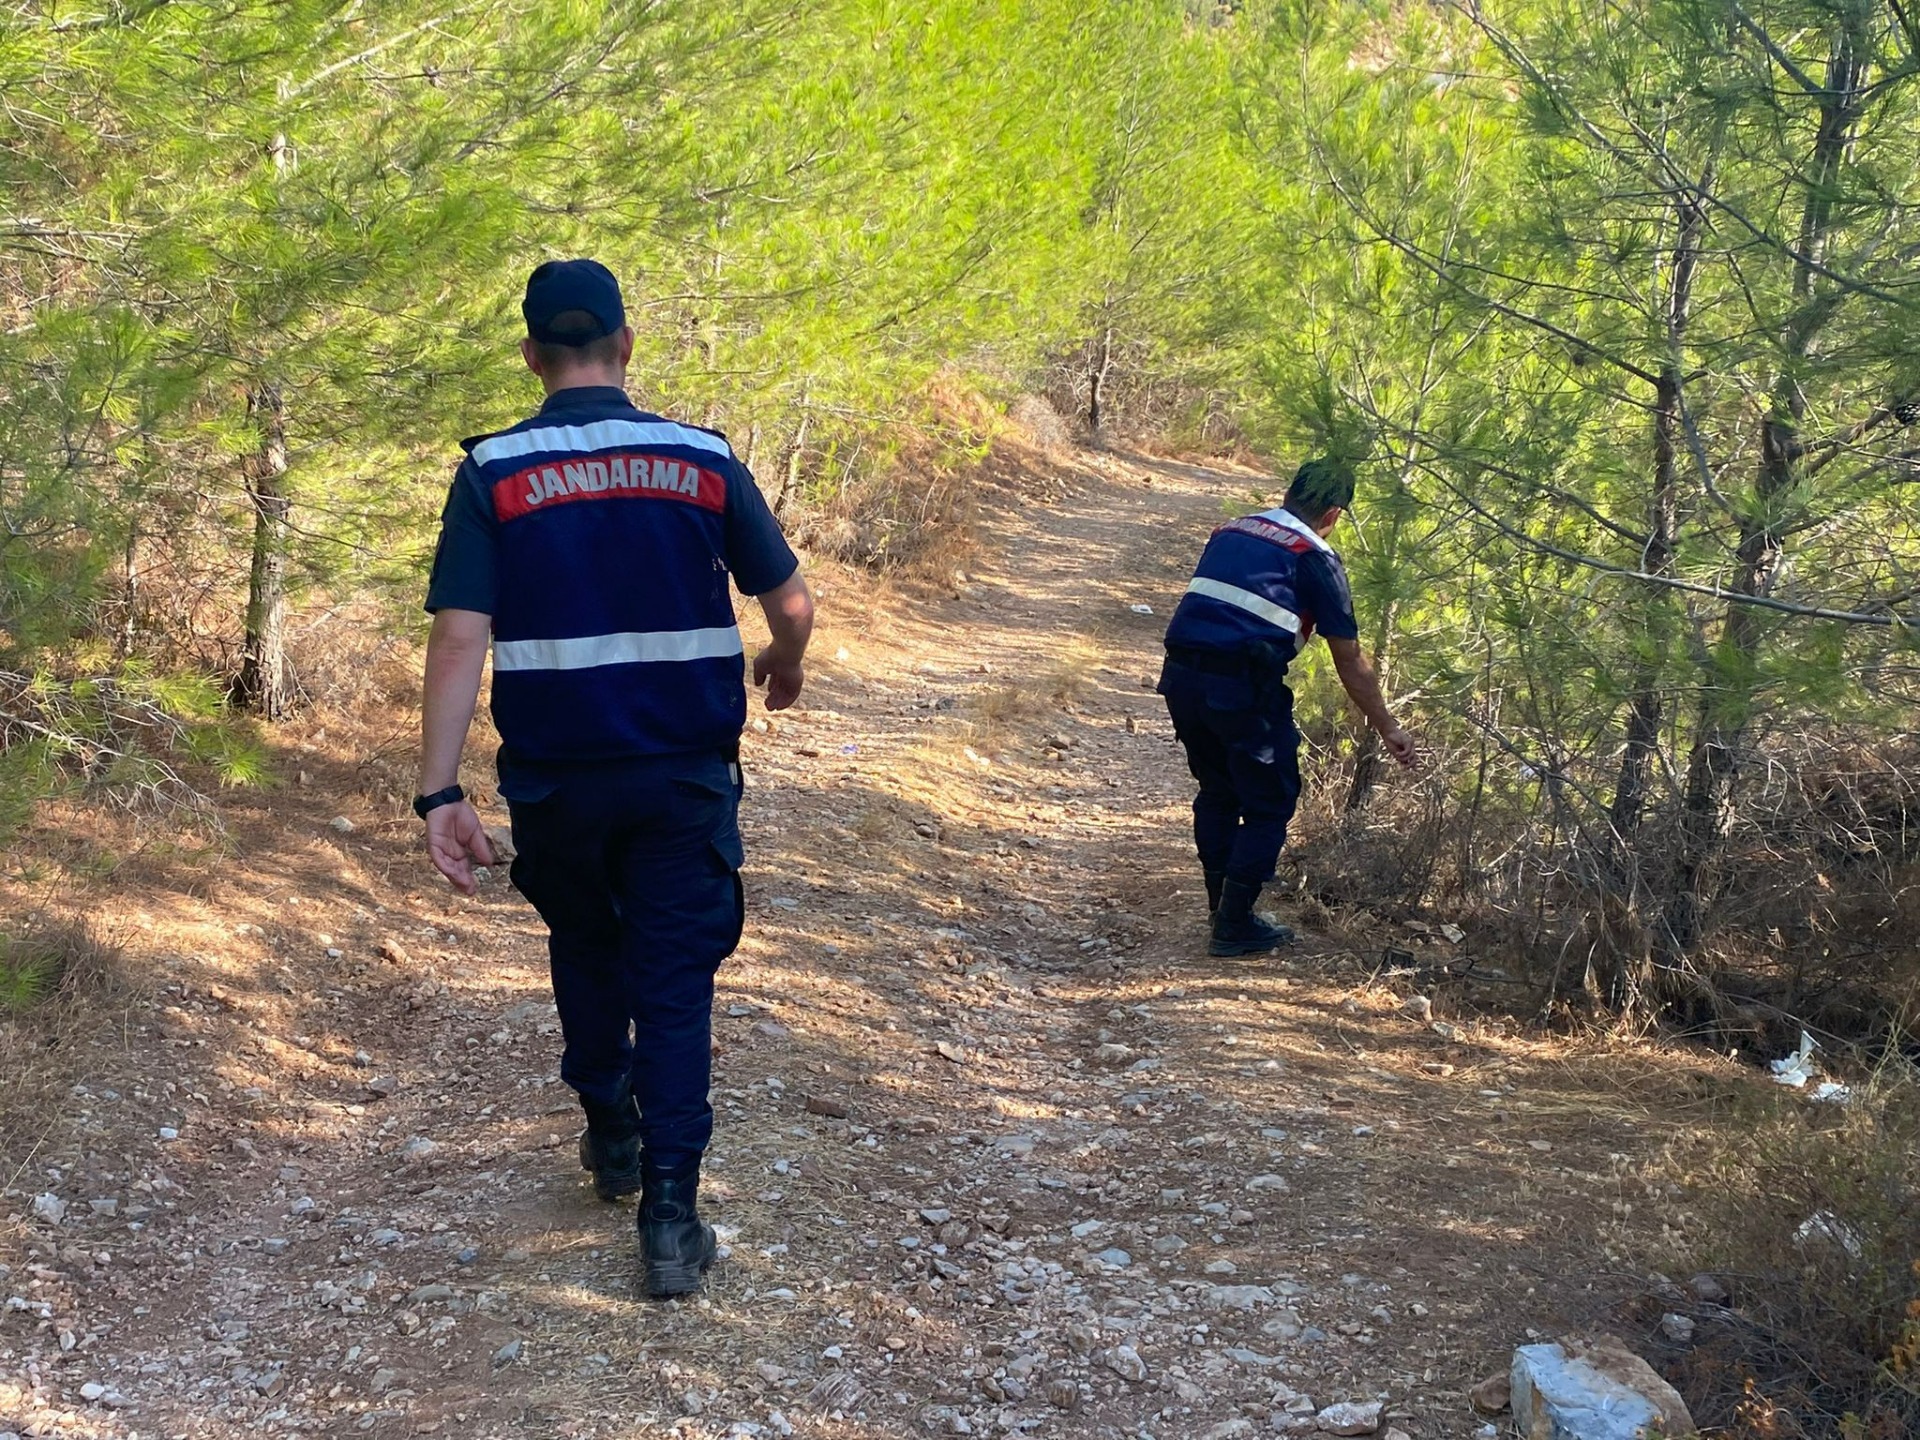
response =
{"points": [[1266, 530], [608, 477]]}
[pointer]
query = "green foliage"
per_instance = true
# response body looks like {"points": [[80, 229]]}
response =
{"points": [[49, 959], [28, 976], [1621, 296], [1611, 304]]}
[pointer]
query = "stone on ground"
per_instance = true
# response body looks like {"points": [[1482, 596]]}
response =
{"points": [[1592, 1389]]}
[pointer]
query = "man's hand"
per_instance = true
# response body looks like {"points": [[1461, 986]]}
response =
{"points": [[1402, 747], [455, 839], [789, 612], [783, 679], [1363, 686]]}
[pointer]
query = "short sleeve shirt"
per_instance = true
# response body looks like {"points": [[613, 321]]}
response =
{"points": [[1320, 581], [465, 567]]}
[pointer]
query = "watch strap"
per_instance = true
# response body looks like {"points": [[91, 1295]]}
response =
{"points": [[449, 796]]}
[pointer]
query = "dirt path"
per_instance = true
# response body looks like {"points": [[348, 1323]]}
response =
{"points": [[999, 1149]]}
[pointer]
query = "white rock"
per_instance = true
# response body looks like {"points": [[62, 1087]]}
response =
{"points": [[92, 1390], [1115, 1258], [1677, 1328], [1237, 1297], [1348, 1418], [1707, 1288], [1284, 1326], [1229, 1429], [50, 1208], [1592, 1389], [342, 824], [1125, 1362], [1275, 1183]]}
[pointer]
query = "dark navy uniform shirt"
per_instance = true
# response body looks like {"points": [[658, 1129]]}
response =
{"points": [[1265, 580], [601, 539], [465, 568]]}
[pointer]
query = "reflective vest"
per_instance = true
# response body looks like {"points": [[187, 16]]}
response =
{"points": [[1244, 588], [613, 628]]}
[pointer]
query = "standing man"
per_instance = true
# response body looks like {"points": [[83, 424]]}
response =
{"points": [[594, 543], [1264, 584]]}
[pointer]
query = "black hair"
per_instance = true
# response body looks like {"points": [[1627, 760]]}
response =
{"points": [[590, 349], [1319, 486]]}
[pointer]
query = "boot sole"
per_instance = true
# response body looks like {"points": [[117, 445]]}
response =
{"points": [[609, 1185], [664, 1282], [1227, 949]]}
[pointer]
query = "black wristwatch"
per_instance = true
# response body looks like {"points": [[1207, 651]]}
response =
{"points": [[449, 796]]}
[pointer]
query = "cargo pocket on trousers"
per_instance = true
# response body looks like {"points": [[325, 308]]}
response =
{"points": [[728, 854]]}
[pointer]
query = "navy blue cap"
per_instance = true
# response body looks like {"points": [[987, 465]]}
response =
{"points": [[562, 285]]}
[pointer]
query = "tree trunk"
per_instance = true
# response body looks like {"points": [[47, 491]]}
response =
{"points": [[1726, 706], [130, 592], [1647, 709], [262, 686], [1366, 759], [1097, 382], [796, 448]]}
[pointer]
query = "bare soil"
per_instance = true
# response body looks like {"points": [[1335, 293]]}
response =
{"points": [[999, 1148]]}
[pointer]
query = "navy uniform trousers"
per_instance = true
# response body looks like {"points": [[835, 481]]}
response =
{"points": [[1241, 744], [635, 867]]}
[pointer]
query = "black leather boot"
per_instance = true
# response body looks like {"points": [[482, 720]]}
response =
{"points": [[610, 1147], [1215, 879], [1237, 930], [676, 1246]]}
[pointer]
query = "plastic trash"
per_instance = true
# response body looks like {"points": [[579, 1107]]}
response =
{"points": [[1798, 1068], [1827, 1092], [1141, 609], [1823, 1227]]}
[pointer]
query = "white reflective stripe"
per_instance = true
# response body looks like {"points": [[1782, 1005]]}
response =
{"points": [[588, 651], [1248, 601], [600, 435], [1294, 523]]}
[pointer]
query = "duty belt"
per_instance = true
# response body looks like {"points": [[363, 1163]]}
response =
{"points": [[1212, 662]]}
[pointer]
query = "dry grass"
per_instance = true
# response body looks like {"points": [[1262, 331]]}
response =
{"points": [[1002, 709], [59, 977], [1810, 1216]]}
